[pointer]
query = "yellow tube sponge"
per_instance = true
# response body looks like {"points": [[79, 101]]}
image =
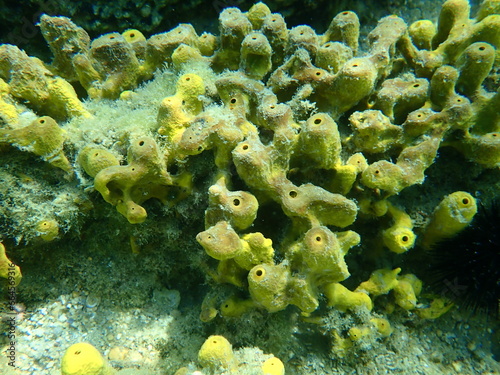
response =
{"points": [[400, 237], [344, 28], [145, 177], [373, 131], [382, 326], [317, 205], [184, 56], [228, 271], [176, 112], [63, 100], [332, 56], [267, 285], [216, 353], [475, 65], [48, 230], [406, 291], [437, 307], [255, 164], [323, 254], [9, 270], [172, 120], [208, 132], [488, 7], [137, 40], [256, 249], [398, 97], [84, 359], [377, 327], [453, 16], [114, 58], [234, 307], [8, 111], [93, 160], [65, 40], [482, 149], [237, 207], [408, 170], [257, 14], [159, 47], [421, 33], [273, 366], [357, 77], [385, 176], [359, 332], [343, 299], [220, 241], [302, 294], [32, 82], [274, 288], [452, 214], [381, 281], [190, 87], [256, 55], [233, 26], [44, 138], [320, 141], [207, 44], [346, 174], [302, 37]]}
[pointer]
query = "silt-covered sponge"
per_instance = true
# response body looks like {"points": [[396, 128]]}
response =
{"points": [[43, 137], [274, 288], [128, 186]]}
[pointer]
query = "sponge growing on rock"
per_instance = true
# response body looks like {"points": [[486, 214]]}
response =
{"points": [[216, 353], [43, 137], [274, 288], [127, 186], [93, 160], [84, 359], [237, 207], [220, 241], [343, 299], [273, 366], [48, 230]]}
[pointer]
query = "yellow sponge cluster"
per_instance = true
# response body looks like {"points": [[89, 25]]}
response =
{"points": [[307, 146], [216, 355]]}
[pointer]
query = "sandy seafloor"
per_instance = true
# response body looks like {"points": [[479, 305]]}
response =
{"points": [[138, 325], [95, 291]]}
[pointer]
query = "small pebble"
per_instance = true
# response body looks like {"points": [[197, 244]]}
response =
{"points": [[92, 301], [117, 353]]}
